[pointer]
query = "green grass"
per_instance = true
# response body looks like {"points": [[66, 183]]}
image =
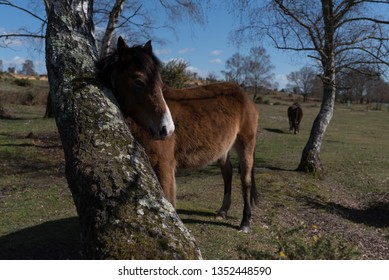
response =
{"points": [[351, 197], [22, 91], [343, 215], [33, 190]]}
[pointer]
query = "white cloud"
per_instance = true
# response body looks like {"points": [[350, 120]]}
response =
{"points": [[216, 52], [216, 60], [178, 59], [186, 50], [17, 60], [202, 73], [281, 80], [163, 51]]}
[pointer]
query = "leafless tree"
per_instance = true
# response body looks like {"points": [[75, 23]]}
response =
{"points": [[302, 81], [377, 92], [211, 77], [258, 69], [354, 86], [122, 211], [235, 69], [336, 34], [253, 70], [131, 18], [28, 68]]}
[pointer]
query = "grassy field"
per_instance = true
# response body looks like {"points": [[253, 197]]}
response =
{"points": [[342, 215]]}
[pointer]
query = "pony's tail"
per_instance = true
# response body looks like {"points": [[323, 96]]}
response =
{"points": [[253, 192]]}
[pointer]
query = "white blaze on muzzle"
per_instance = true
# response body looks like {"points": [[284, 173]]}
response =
{"points": [[166, 126]]}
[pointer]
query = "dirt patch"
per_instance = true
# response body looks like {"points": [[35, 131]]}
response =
{"points": [[49, 145]]}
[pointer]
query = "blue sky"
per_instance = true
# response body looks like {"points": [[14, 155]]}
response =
{"points": [[206, 48]]}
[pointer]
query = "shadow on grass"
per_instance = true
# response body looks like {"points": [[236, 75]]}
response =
{"points": [[195, 213], [376, 214], [275, 130], [212, 218], [55, 240], [18, 162]]}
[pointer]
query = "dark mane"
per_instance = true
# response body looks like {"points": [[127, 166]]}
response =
{"points": [[135, 55], [104, 68]]}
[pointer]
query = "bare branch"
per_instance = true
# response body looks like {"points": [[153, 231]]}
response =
{"points": [[8, 3], [128, 19], [358, 19], [111, 25], [308, 28], [47, 6], [7, 36]]}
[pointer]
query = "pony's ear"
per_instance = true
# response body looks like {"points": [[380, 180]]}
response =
{"points": [[148, 46], [121, 46]]}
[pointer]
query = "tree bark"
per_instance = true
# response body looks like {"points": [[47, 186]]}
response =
{"points": [[122, 211], [49, 108], [310, 160], [111, 25]]}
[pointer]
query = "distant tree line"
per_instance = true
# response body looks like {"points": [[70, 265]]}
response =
{"points": [[361, 86], [28, 68], [357, 87]]}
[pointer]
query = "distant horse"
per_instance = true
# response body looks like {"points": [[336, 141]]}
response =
{"points": [[192, 128], [295, 114]]}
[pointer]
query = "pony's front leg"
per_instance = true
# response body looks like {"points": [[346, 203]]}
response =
{"points": [[167, 180], [226, 168]]}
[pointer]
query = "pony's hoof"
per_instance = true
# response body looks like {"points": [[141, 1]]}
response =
{"points": [[244, 229], [221, 215]]}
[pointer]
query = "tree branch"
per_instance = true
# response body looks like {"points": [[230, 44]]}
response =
{"points": [[8, 3], [308, 28], [6, 36], [374, 20], [111, 25], [128, 19]]}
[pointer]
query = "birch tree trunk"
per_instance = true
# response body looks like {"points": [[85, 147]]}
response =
{"points": [[122, 211], [111, 25], [310, 159], [341, 35]]}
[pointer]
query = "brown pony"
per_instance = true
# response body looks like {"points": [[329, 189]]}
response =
{"points": [[192, 128], [295, 115]]}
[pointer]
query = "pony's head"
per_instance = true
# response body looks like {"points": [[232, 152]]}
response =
{"points": [[132, 73]]}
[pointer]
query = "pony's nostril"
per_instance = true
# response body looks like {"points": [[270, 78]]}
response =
{"points": [[163, 131]]}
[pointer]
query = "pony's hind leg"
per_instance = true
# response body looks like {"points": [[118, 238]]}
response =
{"points": [[245, 150], [226, 169]]}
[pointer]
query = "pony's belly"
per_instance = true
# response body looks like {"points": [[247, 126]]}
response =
{"points": [[201, 155]]}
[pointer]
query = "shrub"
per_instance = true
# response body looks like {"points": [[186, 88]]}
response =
{"points": [[258, 99], [23, 82], [174, 73]]}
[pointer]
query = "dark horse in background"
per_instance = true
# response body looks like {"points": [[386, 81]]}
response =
{"points": [[295, 114], [184, 128]]}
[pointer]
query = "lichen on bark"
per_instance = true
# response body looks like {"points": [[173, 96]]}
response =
{"points": [[122, 211]]}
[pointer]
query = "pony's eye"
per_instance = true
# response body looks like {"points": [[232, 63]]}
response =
{"points": [[139, 83]]}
